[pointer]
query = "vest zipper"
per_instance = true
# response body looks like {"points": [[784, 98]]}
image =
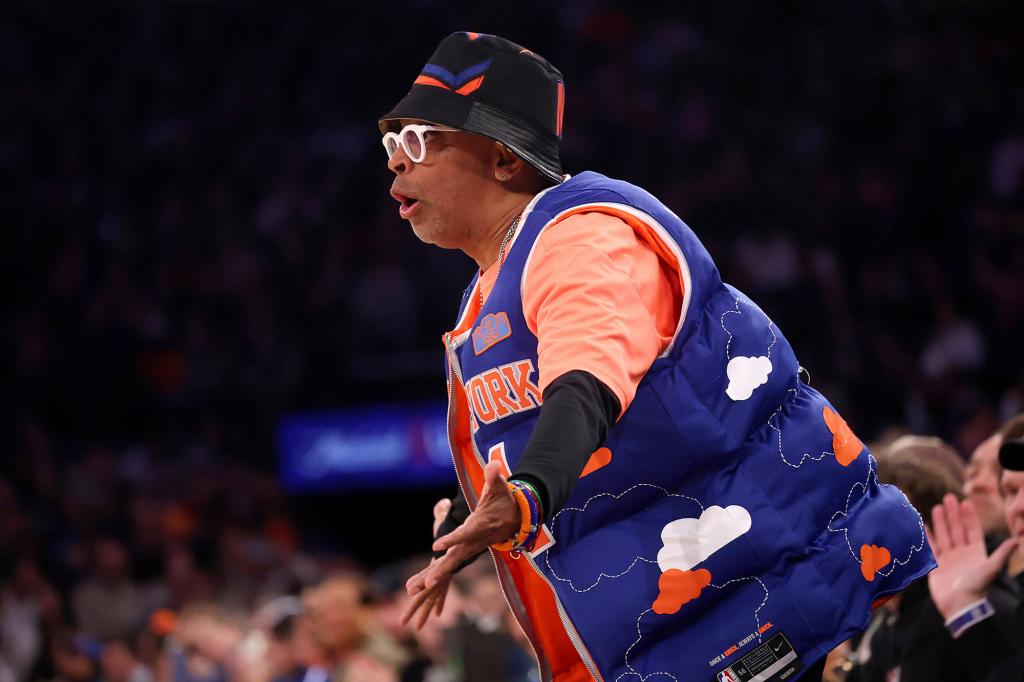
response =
{"points": [[455, 375], [570, 630]]}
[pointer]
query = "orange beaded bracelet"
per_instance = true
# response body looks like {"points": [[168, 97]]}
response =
{"points": [[526, 526]]}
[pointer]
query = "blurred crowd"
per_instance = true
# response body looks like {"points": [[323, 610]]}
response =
{"points": [[163, 601], [199, 216], [123, 568], [199, 239]]}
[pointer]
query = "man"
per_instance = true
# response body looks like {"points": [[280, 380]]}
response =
{"points": [[663, 495], [354, 649], [982, 486], [907, 639], [1011, 457], [965, 571], [1011, 460]]}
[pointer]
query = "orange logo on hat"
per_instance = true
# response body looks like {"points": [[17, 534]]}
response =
{"points": [[465, 82]]}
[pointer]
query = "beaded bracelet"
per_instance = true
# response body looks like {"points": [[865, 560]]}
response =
{"points": [[531, 515], [536, 498], [534, 518], [534, 514], [526, 515]]}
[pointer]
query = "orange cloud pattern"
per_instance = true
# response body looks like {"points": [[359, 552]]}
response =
{"points": [[872, 559], [602, 457], [676, 587], [844, 443]]}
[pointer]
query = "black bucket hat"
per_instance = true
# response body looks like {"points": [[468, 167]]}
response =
{"points": [[1011, 454], [491, 86]]}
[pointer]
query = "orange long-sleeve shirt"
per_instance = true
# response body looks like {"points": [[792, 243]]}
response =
{"points": [[599, 299]]}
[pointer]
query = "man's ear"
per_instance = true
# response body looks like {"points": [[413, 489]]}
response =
{"points": [[507, 164]]}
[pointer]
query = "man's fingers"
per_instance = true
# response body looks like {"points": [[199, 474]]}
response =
{"points": [[415, 584], [954, 522], [445, 567], [441, 510], [972, 527], [494, 481], [413, 606], [995, 562], [423, 604], [457, 536], [939, 529], [424, 615], [439, 571], [472, 532], [440, 602], [408, 613]]}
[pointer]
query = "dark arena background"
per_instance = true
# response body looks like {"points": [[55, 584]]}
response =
{"points": [[223, 376]]}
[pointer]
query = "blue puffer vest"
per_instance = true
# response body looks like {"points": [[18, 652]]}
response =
{"points": [[731, 528]]}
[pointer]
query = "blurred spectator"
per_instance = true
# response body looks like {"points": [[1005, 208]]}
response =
{"points": [[439, 651], [906, 639], [925, 468], [491, 644], [118, 664], [308, 655], [1013, 501], [981, 486], [356, 650], [206, 642], [108, 603], [960, 583], [20, 627]]}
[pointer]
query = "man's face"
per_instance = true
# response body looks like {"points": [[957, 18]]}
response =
{"points": [[1013, 500], [335, 613], [982, 485], [439, 195]]}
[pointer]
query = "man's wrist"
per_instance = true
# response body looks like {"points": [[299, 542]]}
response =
{"points": [[969, 616], [536, 496]]}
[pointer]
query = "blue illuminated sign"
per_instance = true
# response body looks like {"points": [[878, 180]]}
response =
{"points": [[387, 446]]}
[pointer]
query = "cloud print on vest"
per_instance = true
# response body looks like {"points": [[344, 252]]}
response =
{"points": [[689, 541]]}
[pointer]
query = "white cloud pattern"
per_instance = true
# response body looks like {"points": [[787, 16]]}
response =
{"points": [[746, 374], [687, 542]]}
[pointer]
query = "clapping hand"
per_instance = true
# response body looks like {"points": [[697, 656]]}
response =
{"points": [[965, 568]]}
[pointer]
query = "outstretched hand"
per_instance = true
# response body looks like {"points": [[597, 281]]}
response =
{"points": [[426, 601], [965, 567], [495, 519]]}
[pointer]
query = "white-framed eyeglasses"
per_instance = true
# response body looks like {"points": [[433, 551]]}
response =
{"points": [[412, 138]]}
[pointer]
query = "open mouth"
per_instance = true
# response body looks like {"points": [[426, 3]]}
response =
{"points": [[406, 202]]}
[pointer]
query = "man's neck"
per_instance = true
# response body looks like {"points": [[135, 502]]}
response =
{"points": [[485, 251]]}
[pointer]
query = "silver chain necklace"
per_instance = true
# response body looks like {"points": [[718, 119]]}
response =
{"points": [[501, 255]]}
